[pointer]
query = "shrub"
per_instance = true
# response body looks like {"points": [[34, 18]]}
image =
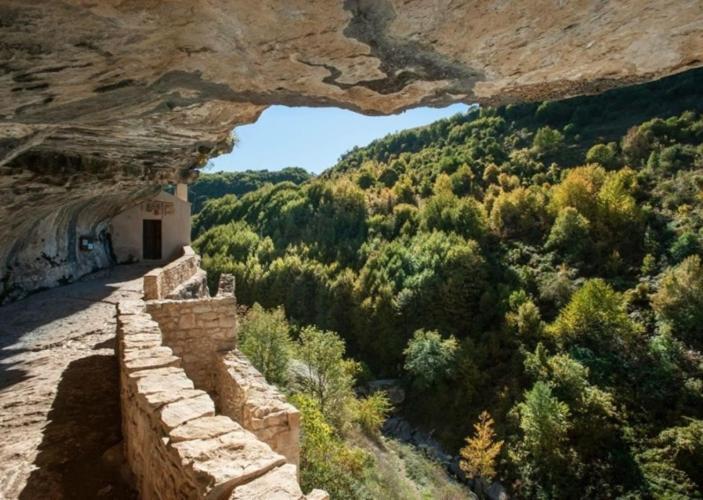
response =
{"points": [[604, 155], [372, 411], [325, 460]]}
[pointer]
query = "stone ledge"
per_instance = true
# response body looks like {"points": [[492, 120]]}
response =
{"points": [[160, 282], [175, 444], [247, 398]]}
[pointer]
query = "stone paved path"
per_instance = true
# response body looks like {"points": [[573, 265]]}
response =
{"points": [[59, 400]]}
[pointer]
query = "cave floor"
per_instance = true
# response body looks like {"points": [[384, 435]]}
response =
{"points": [[59, 393]]}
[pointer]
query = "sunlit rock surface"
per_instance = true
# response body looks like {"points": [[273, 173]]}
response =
{"points": [[101, 101]]}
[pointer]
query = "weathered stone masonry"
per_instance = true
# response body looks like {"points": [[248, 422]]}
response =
{"points": [[197, 330], [161, 283], [199, 421], [258, 407]]}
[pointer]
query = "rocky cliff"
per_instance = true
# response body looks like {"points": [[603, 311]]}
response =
{"points": [[100, 102]]}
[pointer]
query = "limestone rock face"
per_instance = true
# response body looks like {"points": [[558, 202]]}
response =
{"points": [[102, 101]]}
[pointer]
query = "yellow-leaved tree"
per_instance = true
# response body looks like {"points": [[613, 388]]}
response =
{"points": [[478, 457]]}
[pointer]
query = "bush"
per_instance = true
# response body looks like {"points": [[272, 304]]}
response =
{"points": [[372, 411], [604, 155], [325, 460]]}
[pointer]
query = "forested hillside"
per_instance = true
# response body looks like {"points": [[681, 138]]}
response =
{"points": [[539, 262], [217, 184]]}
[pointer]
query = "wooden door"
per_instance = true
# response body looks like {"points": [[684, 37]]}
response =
{"points": [[151, 238]]}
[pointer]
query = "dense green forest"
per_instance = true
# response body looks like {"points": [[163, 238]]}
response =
{"points": [[537, 262], [217, 184]]}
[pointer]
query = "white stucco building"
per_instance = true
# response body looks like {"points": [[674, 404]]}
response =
{"points": [[156, 229]]}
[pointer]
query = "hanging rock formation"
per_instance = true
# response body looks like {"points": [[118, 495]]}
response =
{"points": [[100, 102]]}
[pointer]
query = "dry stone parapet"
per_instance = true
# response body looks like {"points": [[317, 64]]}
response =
{"points": [[197, 330], [162, 282], [176, 359], [257, 406]]}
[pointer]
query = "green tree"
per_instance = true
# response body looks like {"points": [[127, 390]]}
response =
{"points": [[544, 421], [520, 213], [596, 318], [264, 338], [328, 377], [579, 189], [462, 181], [679, 300], [446, 212], [526, 319], [570, 235], [685, 244], [429, 358], [547, 141]]}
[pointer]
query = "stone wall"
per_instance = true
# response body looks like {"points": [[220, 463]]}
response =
{"points": [[247, 398], [161, 282], [197, 330], [174, 442]]}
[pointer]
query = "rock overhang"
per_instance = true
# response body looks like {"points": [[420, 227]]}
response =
{"points": [[103, 101]]}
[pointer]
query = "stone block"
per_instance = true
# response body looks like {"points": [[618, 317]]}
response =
{"points": [[140, 363], [156, 400], [226, 461], [146, 352], [186, 320], [176, 413], [149, 382], [280, 483], [204, 428], [317, 495]]}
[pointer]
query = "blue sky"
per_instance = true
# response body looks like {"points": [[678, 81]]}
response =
{"points": [[314, 138]]}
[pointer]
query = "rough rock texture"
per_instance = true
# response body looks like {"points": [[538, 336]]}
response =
{"points": [[198, 330], [194, 288], [100, 101]]}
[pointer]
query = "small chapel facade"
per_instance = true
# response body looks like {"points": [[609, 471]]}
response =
{"points": [[155, 230]]}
